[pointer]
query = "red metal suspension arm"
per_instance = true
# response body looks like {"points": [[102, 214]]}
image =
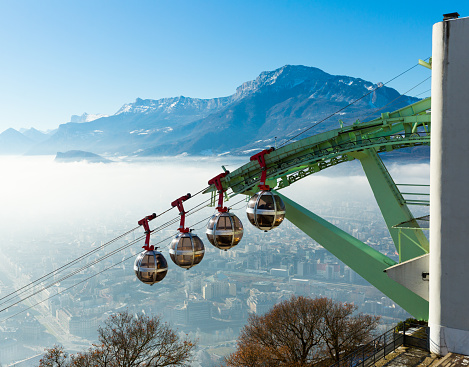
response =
{"points": [[182, 213], [260, 157], [144, 222], [218, 185]]}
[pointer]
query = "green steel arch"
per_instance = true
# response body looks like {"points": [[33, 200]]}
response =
{"points": [[407, 127]]}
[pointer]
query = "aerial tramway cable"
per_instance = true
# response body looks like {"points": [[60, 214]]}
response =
{"points": [[31, 286], [395, 99], [350, 104], [102, 271]]}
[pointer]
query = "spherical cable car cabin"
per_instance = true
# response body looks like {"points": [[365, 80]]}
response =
{"points": [[224, 230], [186, 249], [265, 210], [150, 267]]}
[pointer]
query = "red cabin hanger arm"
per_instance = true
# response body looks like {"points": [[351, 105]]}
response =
{"points": [[182, 213], [144, 222], [260, 158], [220, 190]]}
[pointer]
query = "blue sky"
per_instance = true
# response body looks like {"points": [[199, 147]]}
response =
{"points": [[60, 58]]}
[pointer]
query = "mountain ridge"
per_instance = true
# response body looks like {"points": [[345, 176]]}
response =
{"points": [[279, 103]]}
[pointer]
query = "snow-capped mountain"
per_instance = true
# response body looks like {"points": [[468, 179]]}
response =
{"points": [[279, 103], [86, 117]]}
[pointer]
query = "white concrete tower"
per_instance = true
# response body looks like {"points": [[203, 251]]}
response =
{"points": [[449, 189]]}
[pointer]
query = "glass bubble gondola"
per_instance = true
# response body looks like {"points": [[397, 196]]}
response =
{"points": [[186, 250], [224, 230], [150, 267], [265, 210]]}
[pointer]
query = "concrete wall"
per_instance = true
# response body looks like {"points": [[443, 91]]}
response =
{"points": [[449, 192]]}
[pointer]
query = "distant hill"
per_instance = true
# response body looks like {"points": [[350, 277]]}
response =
{"points": [[79, 156], [13, 142], [35, 135], [279, 103]]}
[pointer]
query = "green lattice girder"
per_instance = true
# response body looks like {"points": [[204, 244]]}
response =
{"points": [[366, 261], [409, 126], [392, 206]]}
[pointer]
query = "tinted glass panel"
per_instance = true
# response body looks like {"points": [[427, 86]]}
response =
{"points": [[185, 243], [198, 244], [174, 243], [237, 239], [162, 264], [161, 275], [279, 202], [173, 257], [251, 218], [224, 223], [252, 201], [210, 238], [266, 202], [146, 276], [279, 220], [237, 223], [198, 258], [212, 222], [184, 260], [265, 220], [224, 240]]}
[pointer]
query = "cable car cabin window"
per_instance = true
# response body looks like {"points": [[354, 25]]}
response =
{"points": [[265, 220], [237, 223], [148, 261], [212, 222], [198, 244], [198, 258], [279, 203], [146, 276], [252, 201], [160, 275], [185, 243], [251, 218], [279, 220], [162, 264], [224, 223], [210, 237], [266, 202], [224, 240]]}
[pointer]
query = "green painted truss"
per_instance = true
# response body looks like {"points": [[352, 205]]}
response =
{"points": [[407, 127]]}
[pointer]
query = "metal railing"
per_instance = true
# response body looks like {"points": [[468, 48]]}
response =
{"points": [[368, 354]]}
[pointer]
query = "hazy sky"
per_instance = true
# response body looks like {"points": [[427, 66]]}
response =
{"points": [[60, 58]]}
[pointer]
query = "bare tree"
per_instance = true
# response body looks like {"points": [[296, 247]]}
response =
{"points": [[288, 335], [342, 332], [54, 357], [128, 341], [301, 332]]}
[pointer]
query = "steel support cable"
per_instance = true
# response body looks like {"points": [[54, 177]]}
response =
{"points": [[67, 265], [395, 99], [94, 262], [29, 286], [102, 271], [350, 104], [72, 286], [76, 271]]}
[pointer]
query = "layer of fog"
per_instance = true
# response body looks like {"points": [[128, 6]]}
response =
{"points": [[42, 196]]}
